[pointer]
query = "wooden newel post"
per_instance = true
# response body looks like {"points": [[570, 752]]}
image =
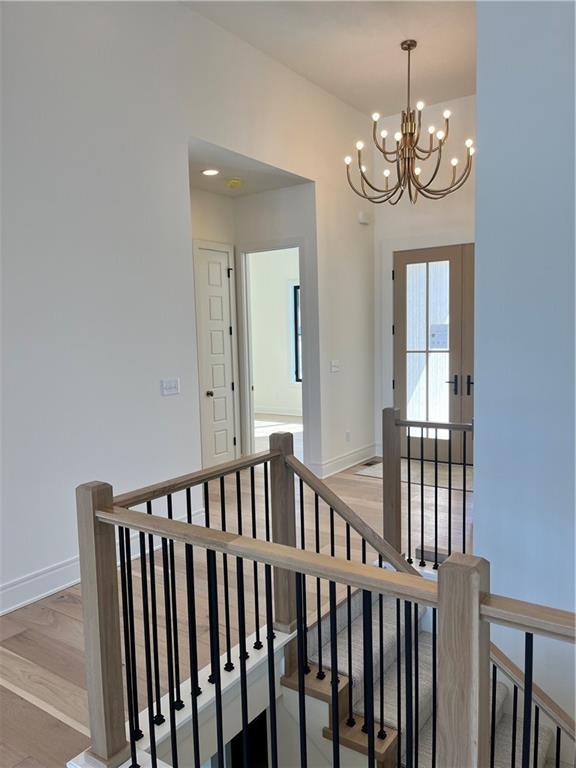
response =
{"points": [[98, 571], [283, 529], [463, 663], [391, 478]]}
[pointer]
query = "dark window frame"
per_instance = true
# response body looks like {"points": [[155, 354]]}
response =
{"points": [[297, 322]]}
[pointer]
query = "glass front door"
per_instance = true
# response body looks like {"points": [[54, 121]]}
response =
{"points": [[431, 299]]}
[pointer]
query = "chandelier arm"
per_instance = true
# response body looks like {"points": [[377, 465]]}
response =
{"points": [[372, 198], [421, 186], [400, 194], [382, 147], [434, 194], [365, 179]]}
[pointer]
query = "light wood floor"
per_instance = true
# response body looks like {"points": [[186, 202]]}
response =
{"points": [[43, 709]]}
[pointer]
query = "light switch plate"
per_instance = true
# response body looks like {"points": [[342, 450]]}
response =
{"points": [[334, 366], [170, 387]]}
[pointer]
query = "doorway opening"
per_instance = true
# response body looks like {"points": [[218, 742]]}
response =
{"points": [[274, 331]]}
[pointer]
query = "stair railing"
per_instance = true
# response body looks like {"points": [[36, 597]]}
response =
{"points": [[422, 541], [461, 602]]}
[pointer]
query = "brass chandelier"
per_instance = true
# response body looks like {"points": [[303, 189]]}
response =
{"points": [[406, 154]]}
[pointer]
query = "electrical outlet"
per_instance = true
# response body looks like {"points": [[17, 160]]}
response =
{"points": [[347, 435]]}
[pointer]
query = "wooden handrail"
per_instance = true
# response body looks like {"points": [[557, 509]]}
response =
{"points": [[540, 697], [359, 575], [156, 491], [529, 617], [342, 509], [458, 426]]}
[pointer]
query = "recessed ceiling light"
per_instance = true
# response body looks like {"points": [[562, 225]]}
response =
{"points": [[210, 172]]}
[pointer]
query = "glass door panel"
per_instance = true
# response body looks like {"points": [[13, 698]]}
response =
{"points": [[427, 344]]}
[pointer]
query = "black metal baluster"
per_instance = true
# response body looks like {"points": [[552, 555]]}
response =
{"points": [[301, 684], [169, 653], [127, 655], [228, 666], [215, 649], [435, 566], [416, 686], [528, 663], [514, 726], [493, 718], [350, 721], [147, 651], [304, 598], [158, 717], [178, 704], [399, 680], [381, 730], [271, 668], [408, 683], [368, 726], [334, 671], [536, 735], [257, 642], [320, 674], [206, 491], [134, 662], [558, 745], [449, 492], [242, 660], [195, 690], [245, 653], [266, 502], [363, 551], [464, 435], [409, 478], [434, 682], [422, 561]]}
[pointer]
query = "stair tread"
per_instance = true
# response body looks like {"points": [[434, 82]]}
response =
{"points": [[389, 637]]}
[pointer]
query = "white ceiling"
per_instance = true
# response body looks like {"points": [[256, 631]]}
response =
{"points": [[351, 49], [255, 176]]}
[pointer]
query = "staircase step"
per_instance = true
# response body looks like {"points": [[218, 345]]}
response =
{"points": [[504, 743], [354, 738], [389, 636], [425, 736]]}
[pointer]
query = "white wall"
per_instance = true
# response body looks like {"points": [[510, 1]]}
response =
{"points": [[99, 101], [212, 217], [427, 224], [282, 218], [272, 277], [524, 503]]}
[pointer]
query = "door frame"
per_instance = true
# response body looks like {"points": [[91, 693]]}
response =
{"points": [[244, 341], [213, 245], [460, 290]]}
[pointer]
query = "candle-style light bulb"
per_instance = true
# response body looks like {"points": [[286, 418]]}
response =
{"points": [[375, 116], [359, 145], [440, 135], [386, 173], [446, 114], [454, 162], [419, 106], [469, 142], [417, 170], [384, 134], [471, 151], [431, 129], [347, 159], [397, 136]]}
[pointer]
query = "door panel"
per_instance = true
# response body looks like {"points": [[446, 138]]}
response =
{"points": [[216, 358], [433, 321]]}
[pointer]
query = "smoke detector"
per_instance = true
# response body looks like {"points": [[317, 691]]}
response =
{"points": [[233, 183]]}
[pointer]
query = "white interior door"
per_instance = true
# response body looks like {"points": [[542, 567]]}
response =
{"points": [[216, 334]]}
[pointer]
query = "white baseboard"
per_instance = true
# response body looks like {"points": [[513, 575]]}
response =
{"points": [[276, 412], [344, 461], [54, 578]]}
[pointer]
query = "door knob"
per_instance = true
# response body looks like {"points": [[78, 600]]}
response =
{"points": [[454, 383], [469, 384], [210, 393]]}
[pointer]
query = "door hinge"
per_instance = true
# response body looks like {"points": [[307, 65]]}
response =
{"points": [[392, 329], [232, 386], [234, 441], [230, 330], [229, 271], [393, 384], [392, 274]]}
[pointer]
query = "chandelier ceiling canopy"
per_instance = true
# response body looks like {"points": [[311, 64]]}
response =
{"points": [[410, 148]]}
